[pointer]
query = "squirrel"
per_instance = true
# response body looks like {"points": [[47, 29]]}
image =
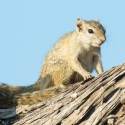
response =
{"points": [[71, 60]]}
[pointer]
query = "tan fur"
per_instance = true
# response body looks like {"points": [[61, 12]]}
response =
{"points": [[70, 60], [75, 55], [13, 96]]}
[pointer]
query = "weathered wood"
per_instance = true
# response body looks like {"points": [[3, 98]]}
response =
{"points": [[98, 101]]}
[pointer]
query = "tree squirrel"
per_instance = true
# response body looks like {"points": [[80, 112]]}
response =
{"points": [[70, 60]]}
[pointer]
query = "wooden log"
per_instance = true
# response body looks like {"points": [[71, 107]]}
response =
{"points": [[98, 101]]}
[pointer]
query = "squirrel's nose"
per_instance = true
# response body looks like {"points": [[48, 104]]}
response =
{"points": [[102, 39]]}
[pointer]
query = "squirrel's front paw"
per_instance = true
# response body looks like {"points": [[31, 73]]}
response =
{"points": [[87, 75]]}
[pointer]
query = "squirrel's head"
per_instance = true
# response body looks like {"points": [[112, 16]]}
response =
{"points": [[91, 32]]}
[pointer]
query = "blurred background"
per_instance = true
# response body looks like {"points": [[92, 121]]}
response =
{"points": [[28, 30]]}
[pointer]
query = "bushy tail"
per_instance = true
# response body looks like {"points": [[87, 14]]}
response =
{"points": [[38, 96], [21, 95], [9, 96], [7, 92]]}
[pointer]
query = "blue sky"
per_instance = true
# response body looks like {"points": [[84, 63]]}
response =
{"points": [[29, 28]]}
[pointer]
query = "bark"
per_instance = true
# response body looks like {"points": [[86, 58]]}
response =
{"points": [[97, 101]]}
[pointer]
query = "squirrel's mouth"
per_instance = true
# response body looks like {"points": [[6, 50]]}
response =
{"points": [[96, 44]]}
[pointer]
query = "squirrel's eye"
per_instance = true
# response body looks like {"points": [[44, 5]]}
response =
{"points": [[90, 31]]}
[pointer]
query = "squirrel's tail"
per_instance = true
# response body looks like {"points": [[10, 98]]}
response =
{"points": [[9, 96], [38, 96], [7, 92], [21, 95]]}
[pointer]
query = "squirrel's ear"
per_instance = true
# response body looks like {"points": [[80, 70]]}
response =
{"points": [[79, 25], [97, 20]]}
